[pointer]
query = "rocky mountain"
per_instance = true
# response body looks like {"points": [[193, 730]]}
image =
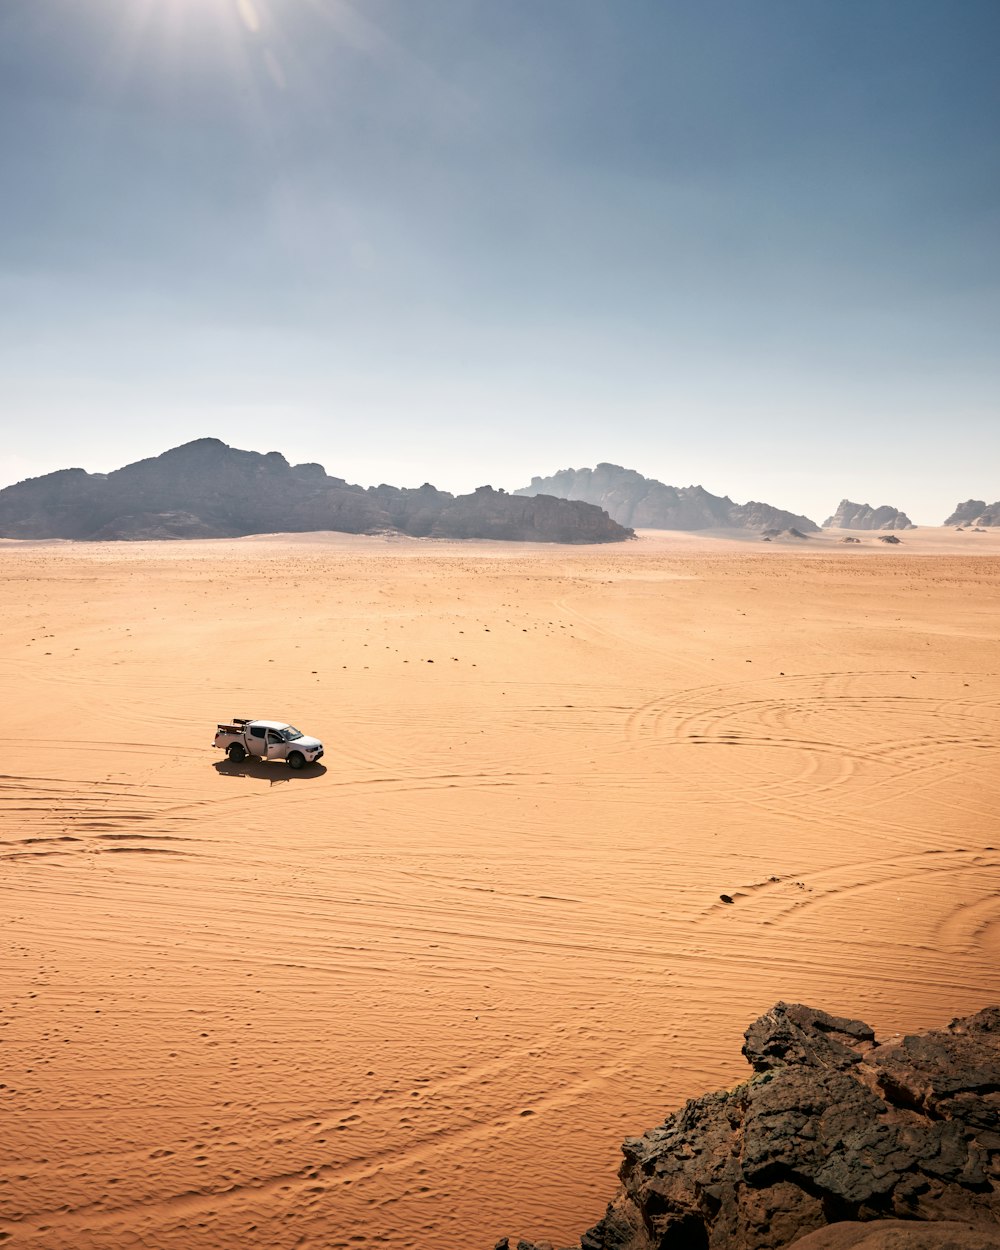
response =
{"points": [[642, 502], [975, 512], [206, 489], [862, 516], [833, 1127]]}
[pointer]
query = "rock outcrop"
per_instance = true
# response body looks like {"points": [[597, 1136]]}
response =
{"points": [[833, 1126], [206, 489], [488, 513], [862, 516], [975, 512], [642, 502]]}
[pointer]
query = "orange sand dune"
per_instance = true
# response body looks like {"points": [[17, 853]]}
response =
{"points": [[416, 997]]}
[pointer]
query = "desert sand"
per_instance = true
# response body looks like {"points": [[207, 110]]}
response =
{"points": [[417, 996]]}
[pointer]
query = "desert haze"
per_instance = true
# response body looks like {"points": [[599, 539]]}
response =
{"points": [[417, 995]]}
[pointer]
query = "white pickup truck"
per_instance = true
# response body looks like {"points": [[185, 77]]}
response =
{"points": [[267, 740]]}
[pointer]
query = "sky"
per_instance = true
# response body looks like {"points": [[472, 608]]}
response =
{"points": [[749, 244]]}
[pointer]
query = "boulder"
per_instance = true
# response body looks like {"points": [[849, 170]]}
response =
{"points": [[833, 1127]]}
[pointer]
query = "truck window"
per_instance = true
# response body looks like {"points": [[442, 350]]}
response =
{"points": [[256, 731]]}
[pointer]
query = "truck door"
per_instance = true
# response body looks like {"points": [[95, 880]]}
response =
{"points": [[255, 737], [275, 746]]}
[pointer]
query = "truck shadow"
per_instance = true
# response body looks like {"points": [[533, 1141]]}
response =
{"points": [[272, 771]]}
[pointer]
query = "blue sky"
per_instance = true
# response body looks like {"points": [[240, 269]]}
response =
{"points": [[753, 244]]}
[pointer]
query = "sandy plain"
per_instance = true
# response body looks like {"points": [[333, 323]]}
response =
{"points": [[418, 995]]}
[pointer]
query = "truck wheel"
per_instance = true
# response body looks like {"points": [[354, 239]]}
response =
{"points": [[296, 759], [236, 753]]}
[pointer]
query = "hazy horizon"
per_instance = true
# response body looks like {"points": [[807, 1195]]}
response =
{"points": [[448, 240]]}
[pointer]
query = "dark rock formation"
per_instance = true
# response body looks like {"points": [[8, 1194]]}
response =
{"points": [[631, 499], [206, 489], [488, 513], [833, 1126], [862, 516], [975, 512], [889, 538]]}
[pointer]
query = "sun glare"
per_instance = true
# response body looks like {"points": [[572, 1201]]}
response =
{"points": [[252, 43], [239, 38], [248, 12], [245, 14]]}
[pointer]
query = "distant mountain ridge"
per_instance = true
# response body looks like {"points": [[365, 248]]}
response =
{"points": [[975, 512], [862, 516], [644, 503], [206, 489]]}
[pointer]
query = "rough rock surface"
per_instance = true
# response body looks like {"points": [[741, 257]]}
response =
{"points": [[975, 512], [902, 1235], [631, 499], [206, 489], [862, 516], [833, 1126]]}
